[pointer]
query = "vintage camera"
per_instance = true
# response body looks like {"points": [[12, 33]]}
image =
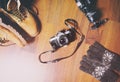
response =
{"points": [[88, 7], [62, 38]]}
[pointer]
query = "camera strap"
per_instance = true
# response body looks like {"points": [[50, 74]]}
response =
{"points": [[71, 23]]}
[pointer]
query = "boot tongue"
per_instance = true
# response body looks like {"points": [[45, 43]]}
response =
{"points": [[14, 7]]}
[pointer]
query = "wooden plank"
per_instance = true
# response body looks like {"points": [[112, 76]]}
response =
{"points": [[22, 64]]}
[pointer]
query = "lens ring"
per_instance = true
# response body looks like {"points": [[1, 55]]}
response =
{"points": [[62, 39]]}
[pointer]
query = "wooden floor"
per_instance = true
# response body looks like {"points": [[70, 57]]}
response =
{"points": [[22, 64]]}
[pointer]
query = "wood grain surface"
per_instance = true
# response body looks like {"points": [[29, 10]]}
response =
{"points": [[22, 64]]}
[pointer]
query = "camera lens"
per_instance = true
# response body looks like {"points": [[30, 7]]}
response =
{"points": [[63, 40]]}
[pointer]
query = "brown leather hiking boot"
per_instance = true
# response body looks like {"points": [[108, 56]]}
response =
{"points": [[23, 17], [10, 31], [7, 38]]}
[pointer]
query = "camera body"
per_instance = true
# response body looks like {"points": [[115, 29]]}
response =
{"points": [[62, 38]]}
